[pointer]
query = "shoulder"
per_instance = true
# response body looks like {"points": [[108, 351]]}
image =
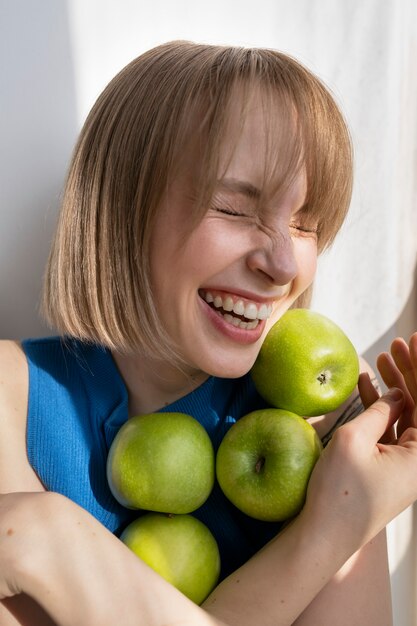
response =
{"points": [[13, 379], [15, 471]]}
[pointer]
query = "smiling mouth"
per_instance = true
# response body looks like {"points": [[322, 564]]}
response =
{"points": [[239, 313]]}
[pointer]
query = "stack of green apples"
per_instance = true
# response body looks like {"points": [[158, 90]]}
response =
{"points": [[165, 462], [307, 367]]}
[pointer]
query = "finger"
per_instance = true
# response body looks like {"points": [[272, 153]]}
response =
{"points": [[401, 354], [409, 436], [413, 356], [413, 352], [392, 377], [380, 416], [367, 391], [369, 394]]}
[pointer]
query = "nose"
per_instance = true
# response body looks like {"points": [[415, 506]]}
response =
{"points": [[274, 259]]}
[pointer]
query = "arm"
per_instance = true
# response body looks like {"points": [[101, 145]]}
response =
{"points": [[56, 551], [13, 407], [63, 544], [52, 553], [85, 570], [88, 576], [361, 591], [79, 572]]}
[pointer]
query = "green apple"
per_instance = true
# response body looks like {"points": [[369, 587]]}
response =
{"points": [[306, 364], [264, 463], [161, 462], [180, 548]]}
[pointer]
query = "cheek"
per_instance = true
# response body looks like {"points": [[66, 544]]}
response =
{"points": [[305, 251], [192, 259], [209, 249]]}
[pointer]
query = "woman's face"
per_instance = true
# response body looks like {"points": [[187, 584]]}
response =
{"points": [[219, 289]]}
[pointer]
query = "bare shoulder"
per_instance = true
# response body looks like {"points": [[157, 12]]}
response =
{"points": [[13, 377], [15, 471], [327, 424]]}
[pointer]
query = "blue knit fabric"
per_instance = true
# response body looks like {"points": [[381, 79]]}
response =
{"points": [[78, 402]]}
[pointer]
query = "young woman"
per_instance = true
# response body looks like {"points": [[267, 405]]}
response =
{"points": [[205, 182]]}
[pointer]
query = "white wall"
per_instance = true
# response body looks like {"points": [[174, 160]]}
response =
{"points": [[38, 126]]}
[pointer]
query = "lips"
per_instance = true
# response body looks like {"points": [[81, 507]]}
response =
{"points": [[244, 314]]}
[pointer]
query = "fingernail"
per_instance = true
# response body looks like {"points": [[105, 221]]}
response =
{"points": [[394, 394]]}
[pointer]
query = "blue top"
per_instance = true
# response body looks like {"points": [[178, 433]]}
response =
{"points": [[77, 403]]}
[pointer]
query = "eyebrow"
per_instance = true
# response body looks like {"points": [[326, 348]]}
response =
{"points": [[239, 186]]}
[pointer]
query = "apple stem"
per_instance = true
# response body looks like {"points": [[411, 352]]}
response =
{"points": [[259, 464], [324, 377]]}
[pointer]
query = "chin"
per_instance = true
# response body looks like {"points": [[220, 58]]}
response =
{"points": [[230, 368]]}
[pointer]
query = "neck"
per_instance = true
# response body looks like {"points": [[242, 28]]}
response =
{"points": [[153, 384]]}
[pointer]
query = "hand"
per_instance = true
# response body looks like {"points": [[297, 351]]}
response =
{"points": [[359, 483], [399, 369]]}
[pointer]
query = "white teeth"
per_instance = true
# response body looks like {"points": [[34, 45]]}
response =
{"points": [[263, 312], [235, 321], [228, 303], [239, 308], [251, 310]]}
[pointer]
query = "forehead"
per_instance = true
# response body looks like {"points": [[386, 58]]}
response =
{"points": [[244, 147], [260, 154]]}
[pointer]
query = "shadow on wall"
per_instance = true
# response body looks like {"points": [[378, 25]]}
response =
{"points": [[38, 130], [404, 326], [403, 529]]}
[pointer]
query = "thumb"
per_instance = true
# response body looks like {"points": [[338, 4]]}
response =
{"points": [[381, 415]]}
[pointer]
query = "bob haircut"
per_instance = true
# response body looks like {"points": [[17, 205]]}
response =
{"points": [[97, 282]]}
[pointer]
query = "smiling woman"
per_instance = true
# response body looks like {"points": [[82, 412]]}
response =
{"points": [[205, 182], [206, 115]]}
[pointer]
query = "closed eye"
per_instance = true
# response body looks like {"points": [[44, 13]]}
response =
{"points": [[229, 212], [304, 229]]}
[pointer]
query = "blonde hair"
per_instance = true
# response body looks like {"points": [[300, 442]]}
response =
{"points": [[97, 281]]}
